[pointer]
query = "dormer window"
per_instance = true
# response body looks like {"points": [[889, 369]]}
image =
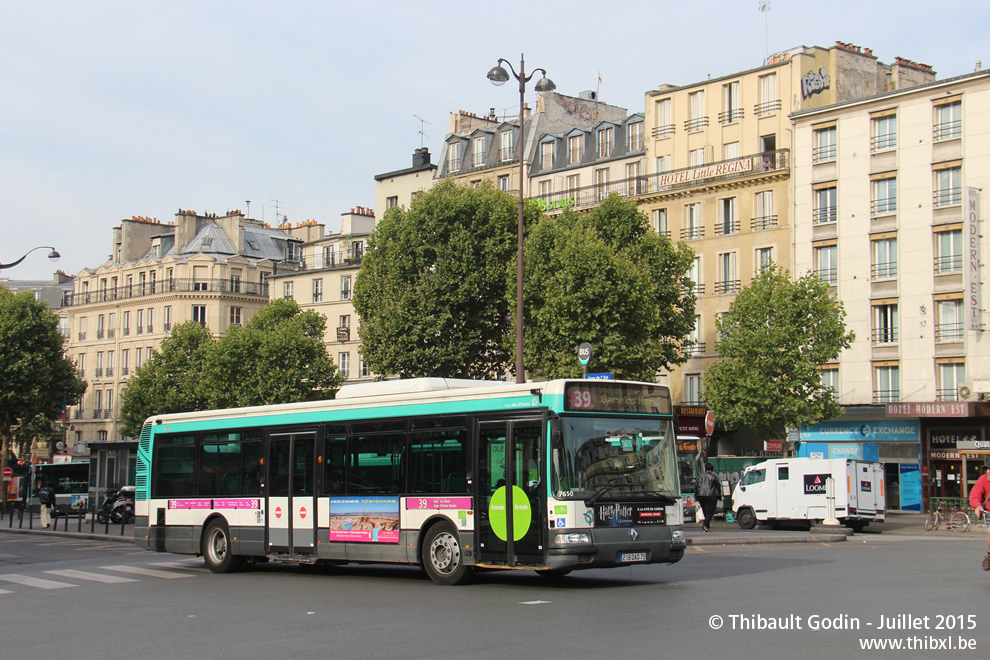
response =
{"points": [[606, 139], [546, 155], [478, 158], [505, 145], [293, 251], [207, 241], [454, 156], [156, 249]]}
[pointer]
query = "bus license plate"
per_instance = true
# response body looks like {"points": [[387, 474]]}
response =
{"points": [[632, 556]]}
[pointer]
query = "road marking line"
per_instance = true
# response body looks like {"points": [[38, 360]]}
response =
{"points": [[9, 556], [40, 583], [92, 577], [4, 591], [181, 564], [137, 570]]}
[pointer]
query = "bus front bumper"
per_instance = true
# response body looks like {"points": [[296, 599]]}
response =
{"points": [[615, 546]]}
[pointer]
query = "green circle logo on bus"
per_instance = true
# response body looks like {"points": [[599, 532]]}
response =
{"points": [[522, 516]]}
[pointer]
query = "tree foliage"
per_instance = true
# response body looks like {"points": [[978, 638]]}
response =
{"points": [[170, 381], [431, 292], [37, 379], [277, 357], [603, 277], [773, 339]]}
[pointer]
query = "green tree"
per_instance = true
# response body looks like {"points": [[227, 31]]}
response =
{"points": [[604, 277], [431, 293], [278, 357], [37, 379], [170, 381], [773, 339]]}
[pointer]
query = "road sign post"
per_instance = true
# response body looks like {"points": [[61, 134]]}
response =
{"points": [[584, 357]]}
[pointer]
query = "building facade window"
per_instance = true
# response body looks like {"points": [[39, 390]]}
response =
{"points": [[765, 217], [731, 103], [318, 290], [949, 321], [662, 164], [635, 140], [665, 118], [825, 205], [344, 364], [694, 344], [287, 290], [235, 315], [100, 326], [884, 196], [948, 187], [126, 330], [948, 251], [635, 184], [884, 258], [692, 389], [151, 320], [727, 221], [694, 275], [601, 183], [948, 121], [125, 362], [764, 258], [391, 202], [827, 263], [546, 188], [198, 316], [730, 151], [769, 103], [575, 149], [697, 120], [573, 184], [478, 152], [884, 133], [140, 321], [660, 222], [728, 275], [168, 319], [345, 287], [696, 157], [830, 379], [606, 140], [546, 155], [693, 227], [950, 377], [886, 384], [825, 146], [885, 323], [503, 183]]}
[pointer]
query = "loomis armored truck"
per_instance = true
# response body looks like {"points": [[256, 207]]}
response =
{"points": [[794, 489]]}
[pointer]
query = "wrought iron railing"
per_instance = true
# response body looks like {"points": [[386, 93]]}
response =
{"points": [[763, 222], [173, 285], [951, 263]]}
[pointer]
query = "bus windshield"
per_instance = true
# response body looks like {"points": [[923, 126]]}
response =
{"points": [[615, 457]]}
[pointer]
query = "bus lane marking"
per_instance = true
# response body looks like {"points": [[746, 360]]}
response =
{"points": [[92, 577], [39, 583], [150, 572]]}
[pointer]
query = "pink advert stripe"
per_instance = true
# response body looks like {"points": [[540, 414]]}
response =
{"points": [[226, 503], [438, 503]]}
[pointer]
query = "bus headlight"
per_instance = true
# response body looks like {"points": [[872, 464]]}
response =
{"points": [[565, 539]]}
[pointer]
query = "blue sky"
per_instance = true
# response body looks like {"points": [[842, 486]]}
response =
{"points": [[111, 109]]}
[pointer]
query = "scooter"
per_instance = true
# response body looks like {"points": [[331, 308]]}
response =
{"points": [[118, 507]]}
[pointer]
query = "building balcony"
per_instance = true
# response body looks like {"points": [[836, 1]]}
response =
{"points": [[728, 286], [176, 285]]}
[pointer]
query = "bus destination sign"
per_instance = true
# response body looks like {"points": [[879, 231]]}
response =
{"points": [[612, 397]]}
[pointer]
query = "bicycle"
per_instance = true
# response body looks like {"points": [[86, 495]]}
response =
{"points": [[955, 520]]}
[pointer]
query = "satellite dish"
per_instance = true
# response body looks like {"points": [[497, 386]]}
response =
{"points": [[965, 392]]}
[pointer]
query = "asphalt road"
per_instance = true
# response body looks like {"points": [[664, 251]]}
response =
{"points": [[91, 599]]}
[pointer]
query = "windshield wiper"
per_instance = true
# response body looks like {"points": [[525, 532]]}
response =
{"points": [[591, 501], [664, 498]]}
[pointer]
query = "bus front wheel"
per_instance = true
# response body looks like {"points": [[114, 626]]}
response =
{"points": [[442, 556], [216, 548]]}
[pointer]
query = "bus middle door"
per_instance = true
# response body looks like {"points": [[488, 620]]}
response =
{"points": [[290, 490], [510, 499]]}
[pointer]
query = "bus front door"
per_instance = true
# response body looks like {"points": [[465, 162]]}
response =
{"points": [[509, 493], [291, 505]]}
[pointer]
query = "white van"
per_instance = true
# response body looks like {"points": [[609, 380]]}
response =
{"points": [[789, 489]]}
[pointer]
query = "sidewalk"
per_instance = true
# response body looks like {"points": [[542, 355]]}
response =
{"points": [[67, 526], [906, 524]]}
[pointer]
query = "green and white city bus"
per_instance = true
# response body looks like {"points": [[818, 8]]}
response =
{"points": [[421, 471]]}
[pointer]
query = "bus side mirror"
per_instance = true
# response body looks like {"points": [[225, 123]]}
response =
{"points": [[556, 434]]}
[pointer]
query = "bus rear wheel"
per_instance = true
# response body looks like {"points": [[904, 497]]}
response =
{"points": [[442, 557], [216, 549]]}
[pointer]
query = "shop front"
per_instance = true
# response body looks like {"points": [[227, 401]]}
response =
{"points": [[954, 445], [893, 442]]}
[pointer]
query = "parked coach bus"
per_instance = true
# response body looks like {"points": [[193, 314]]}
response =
{"points": [[450, 474]]}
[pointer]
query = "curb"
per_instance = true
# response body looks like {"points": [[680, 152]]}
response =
{"points": [[126, 538], [763, 540]]}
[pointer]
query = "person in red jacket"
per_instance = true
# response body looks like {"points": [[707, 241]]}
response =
{"points": [[978, 499]]}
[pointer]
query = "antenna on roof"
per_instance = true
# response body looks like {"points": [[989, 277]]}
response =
{"points": [[276, 209], [422, 133], [765, 9]]}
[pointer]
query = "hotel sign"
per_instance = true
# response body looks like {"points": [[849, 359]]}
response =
{"points": [[974, 314], [692, 174], [927, 410]]}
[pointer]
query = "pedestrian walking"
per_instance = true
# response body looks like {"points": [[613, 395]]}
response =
{"points": [[46, 497], [978, 498], [708, 491]]}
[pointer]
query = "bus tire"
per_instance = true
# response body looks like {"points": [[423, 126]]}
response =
{"points": [[216, 548], [442, 556], [746, 518]]}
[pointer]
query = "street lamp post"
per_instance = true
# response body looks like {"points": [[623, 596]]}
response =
{"points": [[499, 76], [53, 255]]}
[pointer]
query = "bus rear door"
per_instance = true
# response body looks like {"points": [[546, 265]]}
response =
{"points": [[510, 499], [290, 488]]}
